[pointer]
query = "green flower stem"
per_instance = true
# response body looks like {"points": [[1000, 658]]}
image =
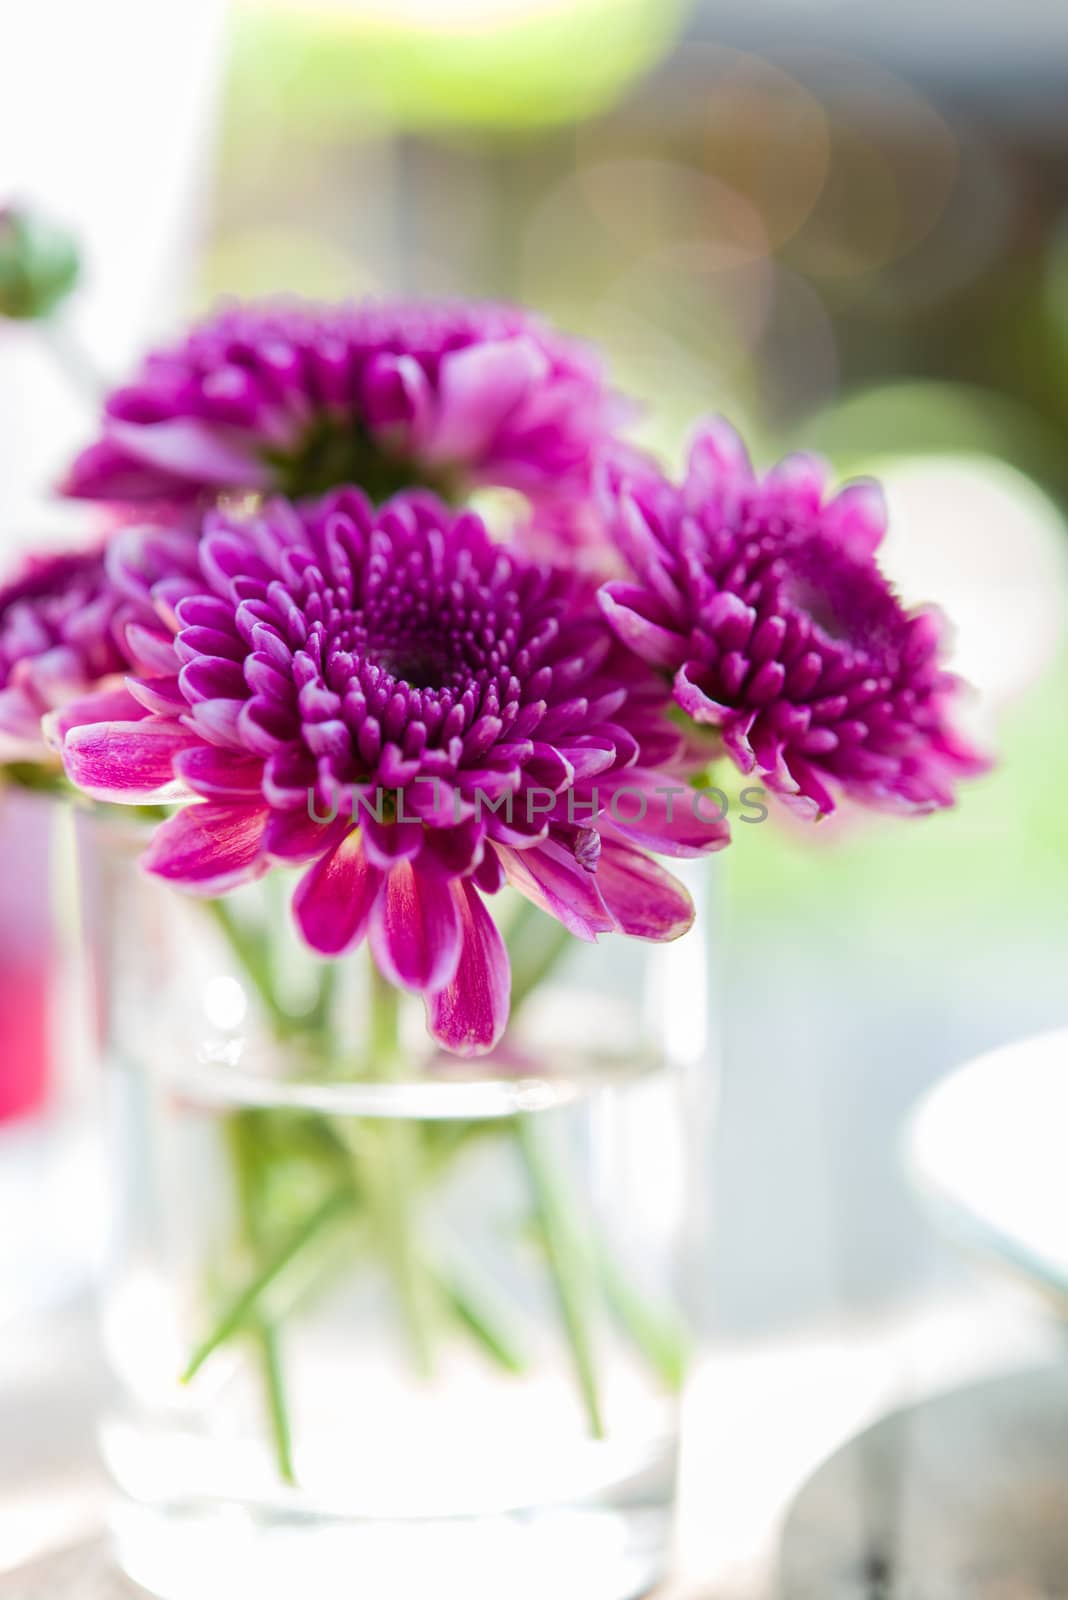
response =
{"points": [[277, 1404], [658, 1335], [536, 943], [389, 1162], [383, 1158], [386, 1156], [266, 1336], [253, 956], [569, 1260], [478, 1307], [39, 779], [243, 1309], [318, 1019], [254, 959], [388, 1173]]}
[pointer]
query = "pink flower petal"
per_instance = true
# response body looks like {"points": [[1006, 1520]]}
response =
{"points": [[734, 725], [646, 901], [294, 836], [20, 726], [106, 472], [218, 774], [397, 398], [803, 781], [622, 604], [658, 812], [288, 778], [131, 763], [218, 721], [550, 876], [111, 701], [478, 388], [857, 517], [415, 930], [717, 458], [54, 676], [150, 650], [798, 479], [212, 678], [694, 700], [453, 852], [644, 551], [333, 900], [189, 449], [386, 843], [209, 849], [489, 874], [469, 1015], [160, 695]]}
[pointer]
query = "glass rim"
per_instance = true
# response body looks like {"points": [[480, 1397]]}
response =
{"points": [[224, 1085]]}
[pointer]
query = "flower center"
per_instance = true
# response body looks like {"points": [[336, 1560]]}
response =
{"points": [[818, 605], [421, 666], [846, 601], [333, 453]]}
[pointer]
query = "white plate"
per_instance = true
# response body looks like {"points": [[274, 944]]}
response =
{"points": [[988, 1150]]}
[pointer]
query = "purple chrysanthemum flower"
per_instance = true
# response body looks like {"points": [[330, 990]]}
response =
{"points": [[763, 599], [56, 641], [66, 628], [466, 714], [292, 398]]}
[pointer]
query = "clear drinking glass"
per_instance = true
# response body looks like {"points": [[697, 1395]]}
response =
{"points": [[50, 1212], [379, 1319]]}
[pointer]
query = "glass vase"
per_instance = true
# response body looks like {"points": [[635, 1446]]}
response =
{"points": [[379, 1318], [49, 1188]]}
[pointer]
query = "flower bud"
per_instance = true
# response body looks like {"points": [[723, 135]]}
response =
{"points": [[38, 264]]}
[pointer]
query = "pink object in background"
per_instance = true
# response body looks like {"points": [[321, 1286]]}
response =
{"points": [[27, 954]]}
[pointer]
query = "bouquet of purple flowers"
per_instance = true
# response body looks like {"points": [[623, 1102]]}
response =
{"points": [[297, 643], [300, 635]]}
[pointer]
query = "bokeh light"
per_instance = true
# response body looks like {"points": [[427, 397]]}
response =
{"points": [[650, 204], [506, 63], [736, 117], [915, 417], [893, 163], [994, 550]]}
